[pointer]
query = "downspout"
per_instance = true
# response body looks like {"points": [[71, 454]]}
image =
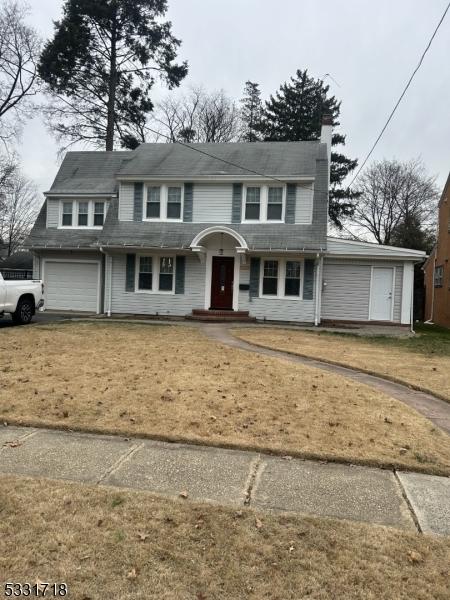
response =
{"points": [[108, 267], [318, 290]]}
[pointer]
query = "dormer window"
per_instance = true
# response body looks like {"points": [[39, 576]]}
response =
{"points": [[163, 203], [82, 214], [265, 203]]}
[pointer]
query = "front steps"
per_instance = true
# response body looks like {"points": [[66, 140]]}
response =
{"points": [[220, 316]]}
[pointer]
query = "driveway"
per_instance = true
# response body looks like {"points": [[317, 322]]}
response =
{"points": [[39, 318]]}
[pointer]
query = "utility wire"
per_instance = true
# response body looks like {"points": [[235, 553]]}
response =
{"points": [[401, 96], [227, 162]]}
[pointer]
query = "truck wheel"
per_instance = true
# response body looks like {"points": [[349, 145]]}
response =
{"points": [[24, 312]]}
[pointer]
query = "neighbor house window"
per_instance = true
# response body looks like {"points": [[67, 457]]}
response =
{"points": [[439, 276], [67, 214], [153, 202], [252, 203], [83, 214], [99, 214], [292, 278], [166, 273], [174, 203], [145, 273], [275, 204], [270, 278]]}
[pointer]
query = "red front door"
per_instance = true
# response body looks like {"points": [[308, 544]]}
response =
{"points": [[222, 282]]}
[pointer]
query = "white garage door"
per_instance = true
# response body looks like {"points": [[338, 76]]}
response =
{"points": [[71, 286]]}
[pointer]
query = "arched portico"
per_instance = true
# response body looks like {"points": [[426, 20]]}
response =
{"points": [[221, 249]]}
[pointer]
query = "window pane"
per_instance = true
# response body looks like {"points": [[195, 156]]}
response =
{"points": [[145, 273], [292, 281], [270, 268], [67, 214], [99, 208], [153, 202], [174, 203], [252, 211], [274, 212], [165, 282], [270, 286], [153, 210], [166, 273], [174, 194], [83, 209], [173, 210], [253, 195], [275, 195]]}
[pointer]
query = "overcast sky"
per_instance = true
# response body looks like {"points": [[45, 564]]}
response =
{"points": [[370, 48]]}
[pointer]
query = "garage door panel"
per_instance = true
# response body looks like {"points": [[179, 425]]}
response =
{"points": [[71, 286]]}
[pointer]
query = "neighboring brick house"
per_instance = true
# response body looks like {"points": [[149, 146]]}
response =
{"points": [[437, 268]]}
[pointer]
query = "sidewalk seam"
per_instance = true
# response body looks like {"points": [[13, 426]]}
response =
{"points": [[408, 503], [120, 461], [251, 480]]}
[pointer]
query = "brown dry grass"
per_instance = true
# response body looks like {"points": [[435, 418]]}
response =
{"points": [[172, 382], [395, 359], [106, 543]]}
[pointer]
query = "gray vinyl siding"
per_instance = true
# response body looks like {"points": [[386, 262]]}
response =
{"points": [[126, 201], [161, 304], [53, 212], [212, 203], [346, 295], [304, 204]]}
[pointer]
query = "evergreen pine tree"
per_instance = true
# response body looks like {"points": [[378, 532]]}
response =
{"points": [[251, 112], [100, 66], [295, 113]]}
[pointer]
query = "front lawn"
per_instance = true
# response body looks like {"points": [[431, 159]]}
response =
{"points": [[422, 361], [173, 383], [131, 545]]}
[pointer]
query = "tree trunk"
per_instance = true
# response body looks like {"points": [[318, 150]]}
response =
{"points": [[112, 93]]}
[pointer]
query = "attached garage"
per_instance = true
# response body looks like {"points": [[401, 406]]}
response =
{"points": [[72, 285]]}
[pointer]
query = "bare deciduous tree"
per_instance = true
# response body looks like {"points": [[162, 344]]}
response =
{"points": [[20, 203], [394, 194], [198, 116], [19, 52]]}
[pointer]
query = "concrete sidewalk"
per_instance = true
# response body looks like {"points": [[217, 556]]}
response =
{"points": [[408, 501]]}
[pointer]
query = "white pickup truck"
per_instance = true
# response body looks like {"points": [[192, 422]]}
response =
{"points": [[21, 299]]}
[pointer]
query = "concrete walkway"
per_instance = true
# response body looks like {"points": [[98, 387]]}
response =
{"points": [[434, 409], [407, 501]]}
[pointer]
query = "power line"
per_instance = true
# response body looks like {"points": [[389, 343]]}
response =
{"points": [[401, 96], [227, 162]]}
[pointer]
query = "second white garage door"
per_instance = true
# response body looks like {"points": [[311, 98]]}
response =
{"points": [[71, 286]]}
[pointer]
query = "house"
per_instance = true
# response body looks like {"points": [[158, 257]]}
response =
{"points": [[239, 228], [437, 267]]}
